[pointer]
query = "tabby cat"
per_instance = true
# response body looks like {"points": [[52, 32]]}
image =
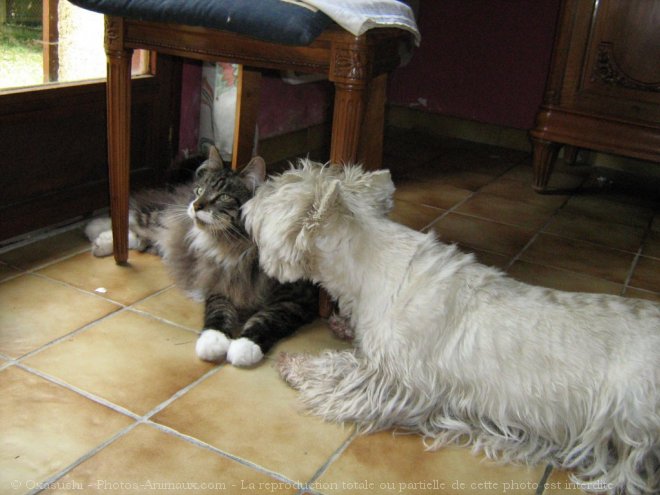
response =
{"points": [[197, 228]]}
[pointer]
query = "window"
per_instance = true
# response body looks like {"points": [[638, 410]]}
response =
{"points": [[51, 41], [53, 127]]}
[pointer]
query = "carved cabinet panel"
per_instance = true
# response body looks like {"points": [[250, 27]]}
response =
{"points": [[603, 91]]}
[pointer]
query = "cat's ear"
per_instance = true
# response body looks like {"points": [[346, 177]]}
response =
{"points": [[215, 160], [213, 163], [254, 173]]}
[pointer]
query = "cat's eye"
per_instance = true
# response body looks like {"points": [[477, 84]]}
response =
{"points": [[226, 197], [198, 191]]}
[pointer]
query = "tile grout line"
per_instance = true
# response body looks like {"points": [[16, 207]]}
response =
{"points": [[470, 196], [98, 294], [635, 262], [146, 420], [179, 393], [48, 232], [631, 270], [536, 235], [33, 271], [326, 465], [157, 293], [531, 241], [97, 400], [66, 336], [87, 395], [20, 273], [48, 263], [43, 486], [75, 287], [147, 314], [211, 448], [138, 420], [449, 210]]}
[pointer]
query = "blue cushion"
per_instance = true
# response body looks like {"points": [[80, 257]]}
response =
{"points": [[279, 21]]}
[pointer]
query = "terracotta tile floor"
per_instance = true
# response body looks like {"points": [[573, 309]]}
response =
{"points": [[101, 390]]}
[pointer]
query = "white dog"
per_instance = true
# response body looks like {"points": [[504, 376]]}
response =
{"points": [[457, 350]]}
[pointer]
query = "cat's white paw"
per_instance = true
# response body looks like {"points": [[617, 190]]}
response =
{"points": [[212, 345], [135, 242], [244, 352], [102, 245], [94, 228]]}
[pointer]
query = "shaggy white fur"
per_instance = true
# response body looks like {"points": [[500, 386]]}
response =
{"points": [[457, 350]]}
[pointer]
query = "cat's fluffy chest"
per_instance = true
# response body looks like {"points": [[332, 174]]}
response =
{"points": [[225, 255], [203, 264]]}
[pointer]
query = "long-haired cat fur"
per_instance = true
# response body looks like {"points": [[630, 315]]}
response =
{"points": [[197, 229]]}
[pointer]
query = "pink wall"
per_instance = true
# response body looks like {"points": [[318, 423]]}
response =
{"points": [[190, 106], [286, 108], [483, 60]]}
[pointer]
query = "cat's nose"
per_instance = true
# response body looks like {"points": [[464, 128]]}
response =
{"points": [[198, 206]]}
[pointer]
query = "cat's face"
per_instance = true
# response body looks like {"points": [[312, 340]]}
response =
{"points": [[219, 193]]}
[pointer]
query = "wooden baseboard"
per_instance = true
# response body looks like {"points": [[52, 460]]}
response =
{"points": [[446, 126]]}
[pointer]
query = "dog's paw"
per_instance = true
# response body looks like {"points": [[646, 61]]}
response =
{"points": [[341, 327], [102, 245], [212, 346], [244, 352], [290, 367]]}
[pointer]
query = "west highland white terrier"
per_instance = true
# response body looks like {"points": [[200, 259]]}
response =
{"points": [[457, 350]]}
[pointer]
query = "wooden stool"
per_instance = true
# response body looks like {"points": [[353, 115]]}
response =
{"points": [[269, 34], [357, 66]]}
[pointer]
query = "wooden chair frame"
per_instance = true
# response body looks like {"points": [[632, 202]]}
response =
{"points": [[357, 65]]}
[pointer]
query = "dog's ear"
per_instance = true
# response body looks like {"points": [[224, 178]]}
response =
{"points": [[380, 191], [325, 201], [369, 192], [382, 179]]}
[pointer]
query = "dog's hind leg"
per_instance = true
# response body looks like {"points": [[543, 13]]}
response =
{"points": [[340, 386], [304, 371], [341, 327]]}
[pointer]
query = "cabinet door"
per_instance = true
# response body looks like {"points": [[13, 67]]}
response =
{"points": [[621, 68]]}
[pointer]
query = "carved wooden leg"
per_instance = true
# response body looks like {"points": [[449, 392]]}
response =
{"points": [[247, 108], [119, 133], [349, 109], [370, 152], [543, 160], [346, 129]]}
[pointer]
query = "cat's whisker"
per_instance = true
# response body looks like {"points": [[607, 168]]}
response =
{"points": [[170, 206], [238, 233], [179, 214]]}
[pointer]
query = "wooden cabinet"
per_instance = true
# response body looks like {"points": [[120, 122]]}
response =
{"points": [[603, 90]]}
